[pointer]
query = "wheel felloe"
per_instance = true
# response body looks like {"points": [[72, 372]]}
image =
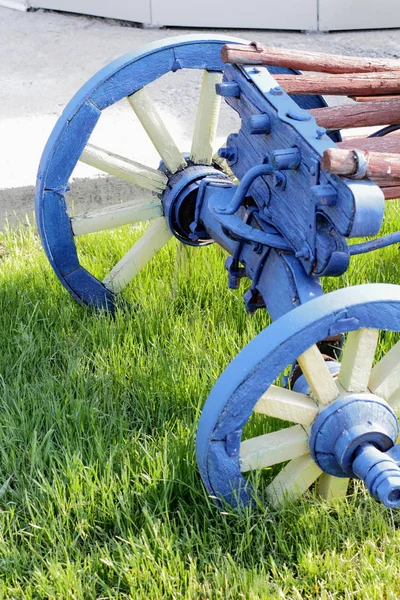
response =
{"points": [[248, 386]]}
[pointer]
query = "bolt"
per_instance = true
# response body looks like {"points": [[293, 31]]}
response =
{"points": [[276, 91], [229, 153], [260, 123], [228, 89], [279, 180], [303, 253], [299, 115], [233, 281], [321, 131]]}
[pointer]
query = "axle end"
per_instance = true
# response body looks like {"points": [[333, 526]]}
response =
{"points": [[381, 474]]}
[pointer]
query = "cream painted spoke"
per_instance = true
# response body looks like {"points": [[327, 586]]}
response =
{"points": [[273, 448], [330, 487], [154, 238], [124, 168], [116, 216], [206, 120], [316, 372], [181, 268], [287, 405], [357, 358], [294, 479], [385, 375], [394, 402], [156, 130]]}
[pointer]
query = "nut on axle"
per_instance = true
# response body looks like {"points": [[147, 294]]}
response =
{"points": [[351, 438]]}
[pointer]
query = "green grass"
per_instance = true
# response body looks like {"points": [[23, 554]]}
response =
{"points": [[99, 491]]}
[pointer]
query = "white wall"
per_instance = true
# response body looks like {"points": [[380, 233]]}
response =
{"points": [[254, 14], [129, 10], [301, 15], [16, 4], [358, 14]]}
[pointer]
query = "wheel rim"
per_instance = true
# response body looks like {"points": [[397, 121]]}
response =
{"points": [[127, 77], [245, 386]]}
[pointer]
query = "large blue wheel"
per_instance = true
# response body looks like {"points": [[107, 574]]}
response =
{"points": [[126, 77], [226, 446]]}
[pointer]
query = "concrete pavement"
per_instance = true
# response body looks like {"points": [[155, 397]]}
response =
{"points": [[47, 56]]}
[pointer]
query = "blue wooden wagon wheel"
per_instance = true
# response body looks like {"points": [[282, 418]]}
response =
{"points": [[126, 77], [332, 409]]}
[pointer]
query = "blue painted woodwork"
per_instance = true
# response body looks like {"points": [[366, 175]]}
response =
{"points": [[117, 80], [339, 208], [231, 401], [285, 225]]}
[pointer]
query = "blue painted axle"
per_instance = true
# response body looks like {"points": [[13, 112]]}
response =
{"points": [[380, 472], [354, 437]]}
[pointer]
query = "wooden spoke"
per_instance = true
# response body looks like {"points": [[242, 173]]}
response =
{"points": [[287, 405], [317, 374], [294, 479], [357, 358], [154, 238], [206, 120], [115, 216], [157, 131], [273, 448], [330, 487], [124, 168], [385, 376], [394, 402]]}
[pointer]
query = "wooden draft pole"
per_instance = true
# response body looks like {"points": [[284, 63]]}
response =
{"points": [[382, 167], [391, 193], [348, 84], [258, 54], [372, 98], [387, 143], [373, 83], [367, 114]]}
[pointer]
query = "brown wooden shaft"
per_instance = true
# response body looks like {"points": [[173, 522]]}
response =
{"points": [[354, 115], [374, 98], [354, 84], [388, 143], [381, 167], [391, 193], [385, 180], [255, 53]]}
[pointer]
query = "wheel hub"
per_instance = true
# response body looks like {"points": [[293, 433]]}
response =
{"points": [[182, 201], [345, 425], [351, 438]]}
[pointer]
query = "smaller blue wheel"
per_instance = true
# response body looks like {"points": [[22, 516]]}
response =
{"points": [[241, 429]]}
